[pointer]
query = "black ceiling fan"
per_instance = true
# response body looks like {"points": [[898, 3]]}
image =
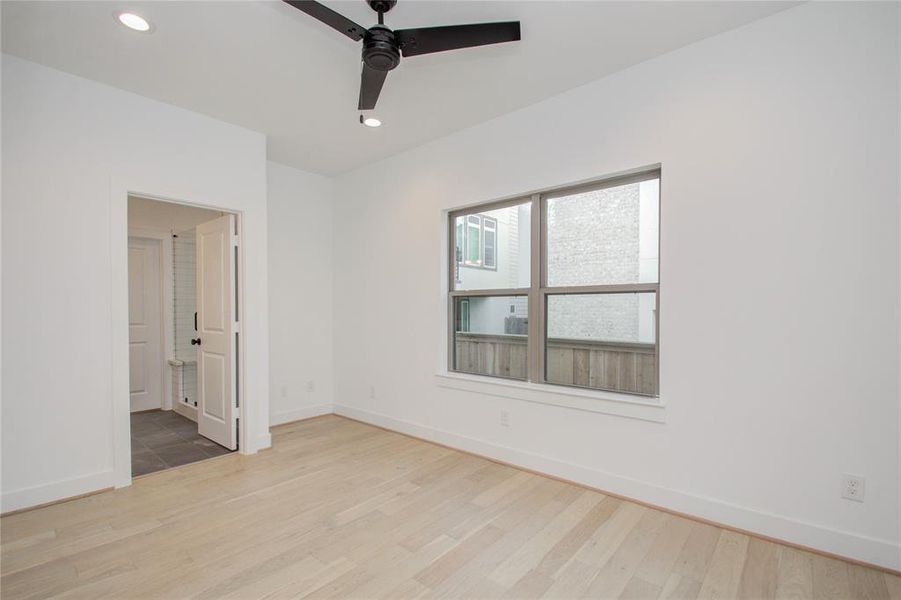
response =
{"points": [[383, 47]]}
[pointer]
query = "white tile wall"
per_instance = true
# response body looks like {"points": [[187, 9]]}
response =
{"points": [[183, 272]]}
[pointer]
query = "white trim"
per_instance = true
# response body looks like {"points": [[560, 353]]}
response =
{"points": [[262, 442], [167, 349], [598, 401], [299, 414], [186, 410], [57, 490], [121, 188], [881, 552]]}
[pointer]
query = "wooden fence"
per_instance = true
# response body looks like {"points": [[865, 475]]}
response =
{"points": [[617, 366]]}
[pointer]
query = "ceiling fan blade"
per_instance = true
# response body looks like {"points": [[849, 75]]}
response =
{"points": [[334, 20], [371, 81], [427, 40]]}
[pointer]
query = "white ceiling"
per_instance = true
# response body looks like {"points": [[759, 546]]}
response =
{"points": [[268, 67]]}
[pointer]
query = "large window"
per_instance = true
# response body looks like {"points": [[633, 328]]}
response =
{"points": [[567, 289]]}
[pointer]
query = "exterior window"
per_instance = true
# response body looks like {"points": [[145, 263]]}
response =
{"points": [[476, 241], [463, 326], [567, 290], [489, 248], [473, 240]]}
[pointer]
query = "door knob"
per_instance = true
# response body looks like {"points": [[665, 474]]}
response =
{"points": [[195, 342]]}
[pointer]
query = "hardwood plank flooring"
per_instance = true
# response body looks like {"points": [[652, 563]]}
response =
{"points": [[339, 509]]}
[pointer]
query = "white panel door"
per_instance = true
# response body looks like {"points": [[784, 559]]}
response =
{"points": [[145, 324], [216, 327]]}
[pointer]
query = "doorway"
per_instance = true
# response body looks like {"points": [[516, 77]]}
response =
{"points": [[183, 292]]}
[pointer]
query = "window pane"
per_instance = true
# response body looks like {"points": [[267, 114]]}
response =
{"points": [[497, 249], [490, 335], [473, 240], [603, 341], [463, 324], [604, 237], [489, 260]]}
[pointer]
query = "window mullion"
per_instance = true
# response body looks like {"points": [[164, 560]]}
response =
{"points": [[491, 292], [536, 298], [451, 284]]}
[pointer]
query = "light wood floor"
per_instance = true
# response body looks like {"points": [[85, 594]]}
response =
{"points": [[340, 509]]}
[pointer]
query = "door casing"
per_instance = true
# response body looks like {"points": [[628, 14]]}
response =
{"points": [[120, 191]]}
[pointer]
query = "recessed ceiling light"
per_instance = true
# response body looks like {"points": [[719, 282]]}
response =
{"points": [[370, 121], [133, 21]]}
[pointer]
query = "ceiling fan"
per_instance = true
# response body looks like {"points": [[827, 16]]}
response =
{"points": [[383, 47]]}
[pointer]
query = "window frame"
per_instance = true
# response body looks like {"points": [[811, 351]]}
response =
{"points": [[538, 290]]}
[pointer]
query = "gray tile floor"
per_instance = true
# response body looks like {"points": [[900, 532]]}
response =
{"points": [[161, 439]]}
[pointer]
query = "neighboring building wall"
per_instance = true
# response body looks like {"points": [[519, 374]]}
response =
{"points": [[593, 237], [604, 236]]}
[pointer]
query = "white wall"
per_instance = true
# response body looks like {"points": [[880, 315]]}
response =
{"points": [[779, 314], [300, 294], [73, 149], [166, 216]]}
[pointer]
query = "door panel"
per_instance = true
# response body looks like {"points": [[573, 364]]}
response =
{"points": [[145, 324], [214, 281], [216, 383]]}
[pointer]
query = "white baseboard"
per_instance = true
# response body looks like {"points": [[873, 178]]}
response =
{"points": [[262, 443], [186, 410], [57, 490], [881, 552], [300, 413]]}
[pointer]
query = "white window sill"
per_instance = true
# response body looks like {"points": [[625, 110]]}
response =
{"points": [[610, 403]]}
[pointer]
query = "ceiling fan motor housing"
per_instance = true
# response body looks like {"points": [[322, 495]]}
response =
{"points": [[382, 6], [380, 49]]}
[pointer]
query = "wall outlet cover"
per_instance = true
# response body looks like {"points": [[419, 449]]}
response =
{"points": [[853, 487]]}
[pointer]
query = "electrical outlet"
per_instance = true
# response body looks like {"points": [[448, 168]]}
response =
{"points": [[311, 386], [372, 391], [853, 487], [505, 418]]}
